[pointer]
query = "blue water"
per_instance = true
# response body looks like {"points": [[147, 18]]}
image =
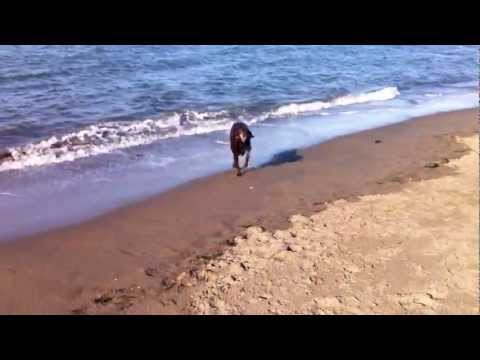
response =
{"points": [[91, 128]]}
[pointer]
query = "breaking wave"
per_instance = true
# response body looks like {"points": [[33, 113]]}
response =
{"points": [[384, 94], [106, 137]]}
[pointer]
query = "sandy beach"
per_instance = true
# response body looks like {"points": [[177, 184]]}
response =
{"points": [[383, 221], [399, 253]]}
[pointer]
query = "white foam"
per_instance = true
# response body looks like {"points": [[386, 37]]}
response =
{"points": [[161, 162], [9, 194], [384, 94], [107, 137]]}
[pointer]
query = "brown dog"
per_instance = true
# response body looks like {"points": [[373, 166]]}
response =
{"points": [[240, 136]]}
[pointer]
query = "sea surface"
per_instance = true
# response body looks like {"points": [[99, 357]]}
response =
{"points": [[91, 128]]}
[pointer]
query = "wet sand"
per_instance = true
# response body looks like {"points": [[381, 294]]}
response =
{"points": [[151, 257]]}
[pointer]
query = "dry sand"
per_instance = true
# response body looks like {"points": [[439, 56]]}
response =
{"points": [[411, 252]]}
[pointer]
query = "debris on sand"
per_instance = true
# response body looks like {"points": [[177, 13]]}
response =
{"points": [[431, 165]]}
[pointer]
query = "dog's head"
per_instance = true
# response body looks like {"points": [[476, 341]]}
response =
{"points": [[244, 135]]}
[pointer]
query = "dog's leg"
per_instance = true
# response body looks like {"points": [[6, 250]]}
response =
{"points": [[235, 161], [247, 158], [236, 165]]}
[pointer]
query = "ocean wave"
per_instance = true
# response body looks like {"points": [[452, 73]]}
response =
{"points": [[107, 137], [33, 75], [9, 194], [384, 94]]}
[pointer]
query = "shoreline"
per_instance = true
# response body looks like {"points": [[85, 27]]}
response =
{"points": [[280, 158], [79, 212], [144, 242]]}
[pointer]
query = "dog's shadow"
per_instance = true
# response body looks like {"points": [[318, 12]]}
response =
{"points": [[283, 157]]}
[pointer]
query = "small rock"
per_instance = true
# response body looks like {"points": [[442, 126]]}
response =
{"points": [[352, 268], [103, 299], [431, 165], [244, 266], [251, 187], [425, 300], [378, 141], [294, 248], [198, 274], [299, 219], [437, 294], [281, 256], [232, 241], [151, 271], [329, 302], [79, 311], [211, 256], [168, 283], [217, 304], [181, 276]]}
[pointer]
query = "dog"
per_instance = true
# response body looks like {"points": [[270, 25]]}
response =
{"points": [[240, 145]]}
